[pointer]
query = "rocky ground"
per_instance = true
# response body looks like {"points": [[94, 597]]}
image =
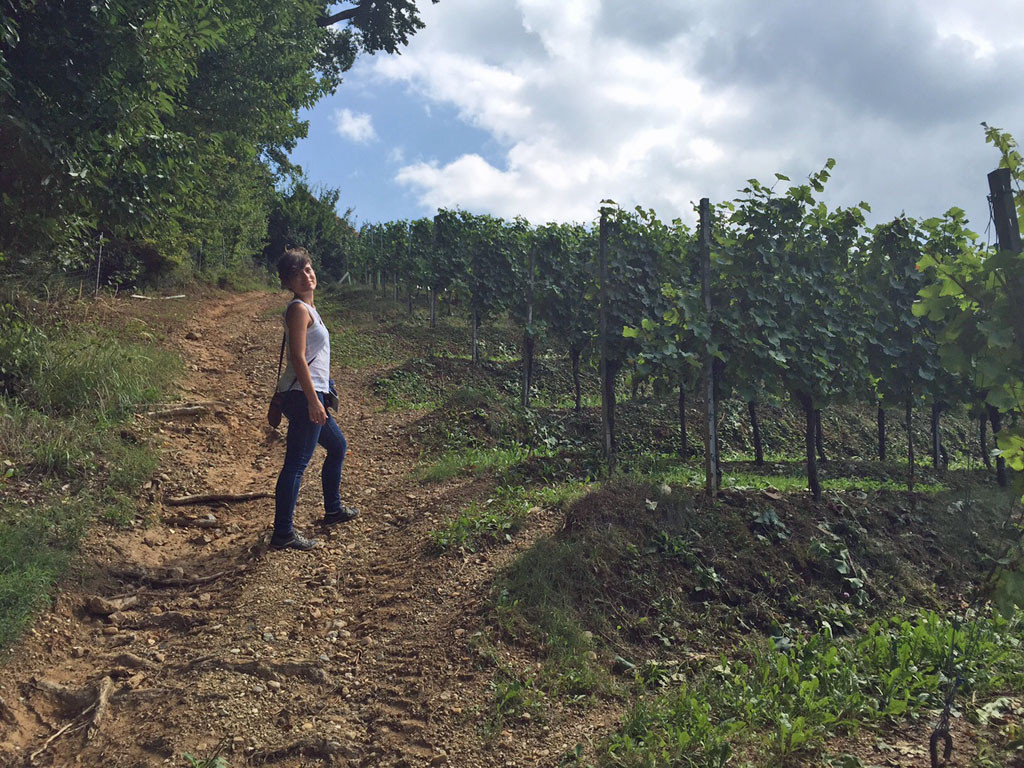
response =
{"points": [[188, 635]]}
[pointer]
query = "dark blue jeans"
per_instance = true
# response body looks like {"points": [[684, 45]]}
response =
{"points": [[303, 436]]}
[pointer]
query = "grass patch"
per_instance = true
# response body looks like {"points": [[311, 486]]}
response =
{"points": [[38, 541], [69, 454], [777, 703], [492, 521], [476, 461], [406, 389], [781, 474]]}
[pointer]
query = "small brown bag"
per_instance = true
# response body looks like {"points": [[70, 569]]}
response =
{"points": [[275, 409], [277, 401]]}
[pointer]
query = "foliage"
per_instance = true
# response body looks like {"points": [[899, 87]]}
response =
{"points": [[309, 218], [66, 437], [161, 128], [782, 702], [976, 296], [489, 522]]}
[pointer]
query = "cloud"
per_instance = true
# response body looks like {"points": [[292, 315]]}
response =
{"points": [[355, 126], [662, 102]]}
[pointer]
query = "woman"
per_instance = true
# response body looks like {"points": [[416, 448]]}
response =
{"points": [[307, 385]]}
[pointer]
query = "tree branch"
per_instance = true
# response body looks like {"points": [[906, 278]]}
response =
{"points": [[326, 21]]}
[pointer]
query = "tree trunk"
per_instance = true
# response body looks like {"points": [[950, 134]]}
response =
{"points": [[819, 444], [684, 442], [634, 383], [574, 355], [394, 289], [910, 444], [881, 433], [608, 402], [408, 301], [755, 428], [983, 438], [997, 425], [476, 337], [810, 435], [433, 308], [528, 345], [936, 435]]}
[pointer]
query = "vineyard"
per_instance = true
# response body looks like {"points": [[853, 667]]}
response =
{"points": [[797, 301]]}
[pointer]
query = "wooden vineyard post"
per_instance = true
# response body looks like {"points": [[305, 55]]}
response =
{"points": [[1004, 214], [710, 415], [528, 340], [433, 291], [607, 415]]}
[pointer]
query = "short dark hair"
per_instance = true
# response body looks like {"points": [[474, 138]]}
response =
{"points": [[292, 262]]}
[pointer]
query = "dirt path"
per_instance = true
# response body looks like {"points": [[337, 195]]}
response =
{"points": [[358, 653]]}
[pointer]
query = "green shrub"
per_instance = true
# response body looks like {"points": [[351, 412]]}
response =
{"points": [[20, 346]]}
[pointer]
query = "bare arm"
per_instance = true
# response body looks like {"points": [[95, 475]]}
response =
{"points": [[298, 320]]}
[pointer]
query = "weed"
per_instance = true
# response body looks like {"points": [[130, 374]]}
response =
{"points": [[66, 437], [475, 461], [482, 523], [785, 700]]}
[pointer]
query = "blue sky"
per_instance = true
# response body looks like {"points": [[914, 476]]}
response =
{"points": [[543, 108], [406, 128]]}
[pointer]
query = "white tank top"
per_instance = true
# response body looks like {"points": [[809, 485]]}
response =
{"points": [[318, 353]]}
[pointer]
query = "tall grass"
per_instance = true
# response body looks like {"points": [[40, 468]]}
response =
{"points": [[67, 456]]}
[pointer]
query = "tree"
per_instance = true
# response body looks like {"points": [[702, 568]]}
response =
{"points": [[800, 255], [565, 258], [383, 25], [901, 348]]}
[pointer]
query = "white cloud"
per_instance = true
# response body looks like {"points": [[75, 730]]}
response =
{"points": [[355, 126], [674, 100]]}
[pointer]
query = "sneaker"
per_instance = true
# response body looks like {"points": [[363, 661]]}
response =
{"points": [[343, 515], [295, 541]]}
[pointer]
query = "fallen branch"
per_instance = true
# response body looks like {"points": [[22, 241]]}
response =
{"points": [[191, 522], [52, 738], [131, 661], [6, 713], [216, 498], [169, 620], [175, 577], [263, 670], [103, 692], [186, 410]]}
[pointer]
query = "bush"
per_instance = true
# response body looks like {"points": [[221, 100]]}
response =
{"points": [[20, 346]]}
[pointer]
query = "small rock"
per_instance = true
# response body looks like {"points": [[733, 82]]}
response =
{"points": [[274, 684], [664, 489], [307, 726], [193, 336], [258, 689], [77, 652], [532, 511]]}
